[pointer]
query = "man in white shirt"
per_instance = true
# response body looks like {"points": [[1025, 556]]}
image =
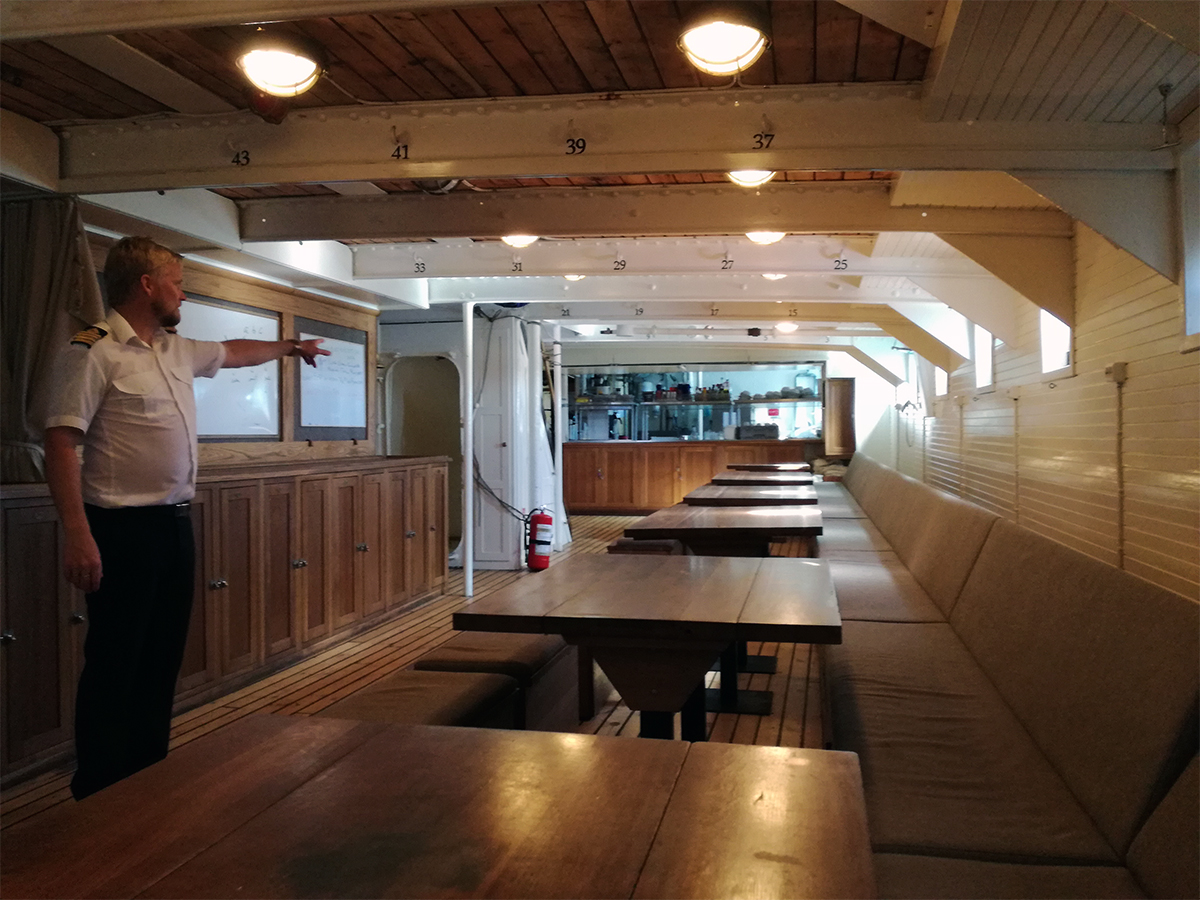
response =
{"points": [[127, 398]]}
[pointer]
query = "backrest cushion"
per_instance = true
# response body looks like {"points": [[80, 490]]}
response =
{"points": [[1165, 855], [1099, 666], [944, 544], [861, 477]]}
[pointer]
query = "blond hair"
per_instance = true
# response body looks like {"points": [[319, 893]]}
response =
{"points": [[128, 260]]}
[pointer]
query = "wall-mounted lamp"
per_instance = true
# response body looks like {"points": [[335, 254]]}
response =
{"points": [[519, 240], [766, 237], [281, 64], [723, 38], [750, 177]]}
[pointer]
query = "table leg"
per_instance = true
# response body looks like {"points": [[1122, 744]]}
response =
{"points": [[727, 698], [751, 663], [657, 725], [693, 718]]}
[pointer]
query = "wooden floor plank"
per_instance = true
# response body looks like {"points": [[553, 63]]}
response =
{"points": [[325, 677]]}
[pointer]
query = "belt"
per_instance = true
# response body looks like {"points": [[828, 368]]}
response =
{"points": [[171, 510]]}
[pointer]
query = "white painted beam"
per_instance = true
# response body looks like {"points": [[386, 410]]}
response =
{"points": [[29, 151], [676, 210], [1040, 269], [988, 302], [134, 68], [1134, 210], [797, 255], [915, 19], [818, 127], [33, 19], [977, 189]]}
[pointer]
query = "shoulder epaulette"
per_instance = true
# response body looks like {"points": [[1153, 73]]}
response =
{"points": [[89, 336]]}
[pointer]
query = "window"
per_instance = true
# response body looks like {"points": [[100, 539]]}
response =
{"points": [[941, 381], [983, 357], [1055, 342]]}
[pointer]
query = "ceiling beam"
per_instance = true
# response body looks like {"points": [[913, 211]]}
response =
{"points": [[915, 19], [34, 19], [991, 304], [676, 210], [798, 255], [1040, 269], [855, 127]]}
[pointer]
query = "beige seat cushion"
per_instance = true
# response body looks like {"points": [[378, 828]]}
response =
{"points": [[519, 656], [902, 876], [409, 697], [857, 535], [1165, 855], [1099, 666], [880, 591], [947, 769]]}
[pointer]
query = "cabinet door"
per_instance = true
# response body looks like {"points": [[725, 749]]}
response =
{"points": [[280, 573], [735, 452], [660, 470], [418, 519], [695, 468], [581, 476], [371, 557], [201, 661], [346, 497], [313, 593], [397, 539], [620, 481], [437, 559], [239, 590], [37, 649]]}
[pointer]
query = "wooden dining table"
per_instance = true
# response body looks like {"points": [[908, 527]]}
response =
{"points": [[656, 624], [751, 495], [730, 530], [304, 807], [771, 467], [774, 479]]}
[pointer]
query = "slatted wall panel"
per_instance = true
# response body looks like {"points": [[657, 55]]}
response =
{"points": [[943, 445], [1068, 463], [1114, 473], [989, 458], [1132, 314]]}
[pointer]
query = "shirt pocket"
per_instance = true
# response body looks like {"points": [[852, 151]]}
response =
{"points": [[140, 394], [184, 375]]}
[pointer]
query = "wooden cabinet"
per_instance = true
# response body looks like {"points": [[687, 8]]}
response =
{"points": [[41, 619], [288, 561], [642, 476]]}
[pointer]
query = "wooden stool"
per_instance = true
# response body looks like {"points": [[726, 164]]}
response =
{"points": [[408, 697]]}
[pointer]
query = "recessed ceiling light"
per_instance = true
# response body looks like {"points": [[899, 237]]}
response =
{"points": [[723, 38], [283, 65], [773, 276], [766, 237], [519, 240], [750, 177]]}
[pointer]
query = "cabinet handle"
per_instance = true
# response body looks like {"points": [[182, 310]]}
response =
{"points": [[217, 585], [361, 548], [299, 563], [77, 618], [410, 534], [7, 637], [433, 528], [600, 474]]}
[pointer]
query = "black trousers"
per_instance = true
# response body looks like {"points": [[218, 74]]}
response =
{"points": [[137, 628]]}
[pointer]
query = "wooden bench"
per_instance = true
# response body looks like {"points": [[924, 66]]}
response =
{"points": [[409, 697], [636, 545]]}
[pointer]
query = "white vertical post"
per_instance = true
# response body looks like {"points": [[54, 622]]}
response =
{"points": [[468, 438], [560, 512], [533, 348]]}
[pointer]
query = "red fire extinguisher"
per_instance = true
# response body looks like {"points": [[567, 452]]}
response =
{"points": [[541, 536]]}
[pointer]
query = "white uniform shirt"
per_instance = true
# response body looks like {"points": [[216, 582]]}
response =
{"points": [[135, 405]]}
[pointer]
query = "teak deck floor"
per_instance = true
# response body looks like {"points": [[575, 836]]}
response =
{"points": [[318, 681]]}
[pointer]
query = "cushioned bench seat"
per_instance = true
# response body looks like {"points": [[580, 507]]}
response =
{"points": [[408, 697], [835, 502], [946, 766], [881, 592], [544, 665], [853, 539]]}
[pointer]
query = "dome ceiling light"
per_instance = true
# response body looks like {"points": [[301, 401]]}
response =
{"points": [[282, 65], [766, 237], [574, 277], [519, 240], [786, 327], [750, 178], [723, 38], [773, 276]]}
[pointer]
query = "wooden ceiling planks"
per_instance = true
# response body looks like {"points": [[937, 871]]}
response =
{"points": [[556, 47]]}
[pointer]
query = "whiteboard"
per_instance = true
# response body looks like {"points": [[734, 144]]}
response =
{"points": [[237, 403], [333, 395]]}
